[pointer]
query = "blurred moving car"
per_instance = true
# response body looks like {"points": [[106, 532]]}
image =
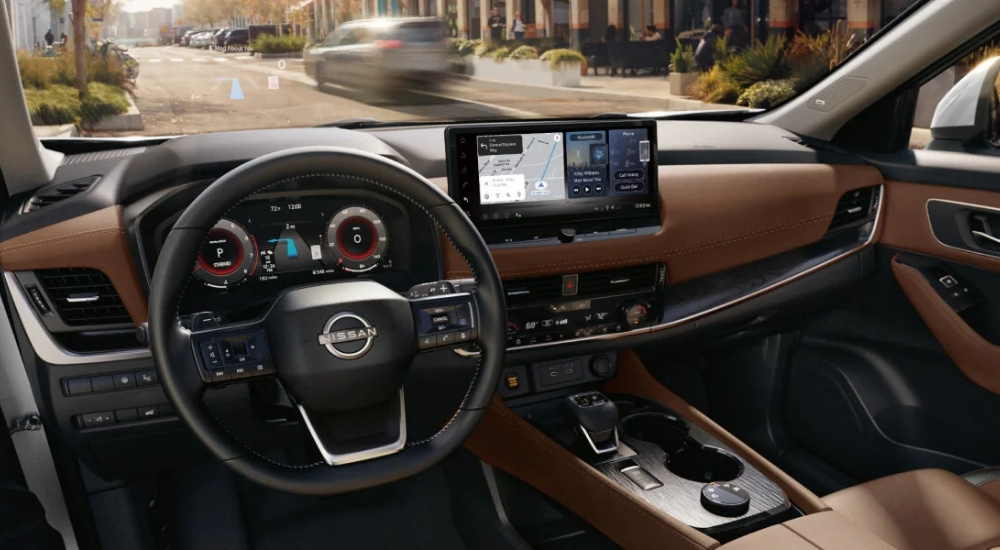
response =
{"points": [[382, 56], [236, 40]]}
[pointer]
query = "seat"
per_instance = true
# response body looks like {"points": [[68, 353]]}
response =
{"points": [[924, 510], [987, 480]]}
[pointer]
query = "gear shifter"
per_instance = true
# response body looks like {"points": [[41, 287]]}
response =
{"points": [[597, 417]]}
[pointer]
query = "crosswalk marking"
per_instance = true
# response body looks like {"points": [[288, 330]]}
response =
{"points": [[200, 60], [177, 60], [155, 60]]}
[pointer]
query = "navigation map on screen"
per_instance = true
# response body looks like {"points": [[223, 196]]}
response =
{"points": [[521, 167]]}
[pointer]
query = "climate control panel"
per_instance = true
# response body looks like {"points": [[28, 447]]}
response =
{"points": [[541, 311]]}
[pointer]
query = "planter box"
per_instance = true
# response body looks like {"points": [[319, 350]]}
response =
{"points": [[532, 72], [680, 83], [128, 121]]}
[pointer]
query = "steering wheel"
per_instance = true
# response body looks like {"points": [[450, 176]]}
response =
{"points": [[341, 350]]}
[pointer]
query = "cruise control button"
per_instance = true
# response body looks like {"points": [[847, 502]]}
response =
{"points": [[124, 380]]}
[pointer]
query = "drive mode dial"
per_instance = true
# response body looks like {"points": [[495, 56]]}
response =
{"points": [[227, 256], [356, 239]]}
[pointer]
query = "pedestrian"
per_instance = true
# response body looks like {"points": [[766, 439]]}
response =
{"points": [[63, 39], [735, 22], [610, 34], [49, 37], [517, 27], [497, 25], [651, 34], [705, 54]]}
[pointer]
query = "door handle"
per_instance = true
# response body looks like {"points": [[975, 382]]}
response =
{"points": [[986, 236]]}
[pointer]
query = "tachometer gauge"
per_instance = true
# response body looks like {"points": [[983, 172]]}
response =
{"points": [[227, 256], [356, 239]]}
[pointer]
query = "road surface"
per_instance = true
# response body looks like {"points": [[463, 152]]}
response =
{"points": [[183, 90]]}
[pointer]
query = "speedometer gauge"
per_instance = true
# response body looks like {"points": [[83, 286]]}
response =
{"points": [[227, 255], [356, 239]]}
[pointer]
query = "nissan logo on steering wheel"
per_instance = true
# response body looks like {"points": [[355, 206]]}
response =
{"points": [[348, 336]]}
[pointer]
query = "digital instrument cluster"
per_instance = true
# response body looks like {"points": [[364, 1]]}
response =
{"points": [[295, 238]]}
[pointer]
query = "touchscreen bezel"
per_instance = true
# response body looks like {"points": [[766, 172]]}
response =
{"points": [[468, 201]]}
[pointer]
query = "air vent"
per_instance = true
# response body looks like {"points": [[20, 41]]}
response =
{"points": [[51, 195], [855, 206], [595, 283], [83, 297], [534, 289], [630, 279]]}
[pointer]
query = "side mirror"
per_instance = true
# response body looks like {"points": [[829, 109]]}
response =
{"points": [[966, 118]]}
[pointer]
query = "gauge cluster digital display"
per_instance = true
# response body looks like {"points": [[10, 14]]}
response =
{"points": [[302, 237]]}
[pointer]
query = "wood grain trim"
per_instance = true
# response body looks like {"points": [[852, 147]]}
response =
{"points": [[508, 442], [974, 355], [715, 217], [97, 240], [633, 377], [907, 227]]}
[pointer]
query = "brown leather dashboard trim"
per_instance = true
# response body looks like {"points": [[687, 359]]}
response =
{"points": [[906, 225], [97, 240], [974, 355], [633, 377], [508, 442], [714, 217]]}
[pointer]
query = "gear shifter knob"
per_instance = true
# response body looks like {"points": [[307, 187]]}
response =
{"points": [[597, 417]]}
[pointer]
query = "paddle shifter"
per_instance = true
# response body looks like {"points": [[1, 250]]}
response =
{"points": [[597, 417]]}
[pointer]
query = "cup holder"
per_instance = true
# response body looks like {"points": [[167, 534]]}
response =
{"points": [[697, 462], [669, 432], [686, 457]]}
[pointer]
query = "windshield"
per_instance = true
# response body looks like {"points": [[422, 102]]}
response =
{"points": [[167, 67]]}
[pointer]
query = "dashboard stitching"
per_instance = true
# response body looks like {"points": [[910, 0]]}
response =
{"points": [[475, 276], [518, 423], [61, 239], [667, 253]]}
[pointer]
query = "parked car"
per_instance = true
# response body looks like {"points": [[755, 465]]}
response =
{"points": [[186, 38], [201, 40], [236, 40], [179, 33], [383, 55]]}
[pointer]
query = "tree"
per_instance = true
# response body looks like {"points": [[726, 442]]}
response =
{"points": [[79, 17]]}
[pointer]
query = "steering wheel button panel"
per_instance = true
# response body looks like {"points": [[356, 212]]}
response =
{"points": [[233, 355]]}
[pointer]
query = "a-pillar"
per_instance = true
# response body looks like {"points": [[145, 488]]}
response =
{"points": [[863, 17], [783, 16], [579, 23]]}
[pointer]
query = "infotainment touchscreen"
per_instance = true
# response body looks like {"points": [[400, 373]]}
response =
{"points": [[505, 175]]}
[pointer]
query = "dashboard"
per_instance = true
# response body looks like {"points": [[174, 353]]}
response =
{"points": [[302, 233]]}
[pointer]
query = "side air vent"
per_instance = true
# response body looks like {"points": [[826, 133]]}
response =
{"points": [[83, 297], [50, 195], [855, 206], [630, 279]]}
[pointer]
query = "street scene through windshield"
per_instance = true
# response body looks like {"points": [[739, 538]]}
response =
{"points": [[157, 67]]}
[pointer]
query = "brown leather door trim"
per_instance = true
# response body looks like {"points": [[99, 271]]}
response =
{"points": [[974, 355], [907, 226], [633, 377], [97, 240], [714, 217], [506, 441]]}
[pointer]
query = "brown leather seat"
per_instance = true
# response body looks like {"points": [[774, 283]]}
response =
{"points": [[924, 510]]}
